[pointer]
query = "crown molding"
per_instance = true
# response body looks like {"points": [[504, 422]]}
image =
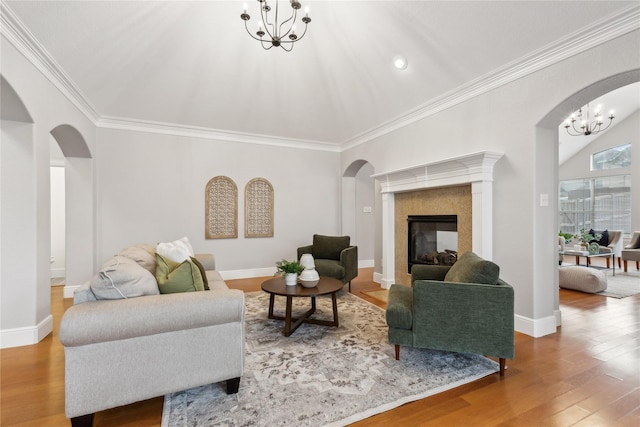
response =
{"points": [[599, 32], [25, 42], [577, 42], [119, 123]]}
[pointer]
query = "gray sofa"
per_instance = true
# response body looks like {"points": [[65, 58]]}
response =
{"points": [[122, 351]]}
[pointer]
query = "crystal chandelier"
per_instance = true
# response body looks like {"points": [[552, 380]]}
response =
{"points": [[587, 125], [279, 33]]}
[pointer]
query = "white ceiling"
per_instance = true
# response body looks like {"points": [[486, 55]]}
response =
{"points": [[192, 65]]}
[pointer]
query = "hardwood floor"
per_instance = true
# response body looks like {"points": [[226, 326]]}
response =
{"points": [[587, 374]]}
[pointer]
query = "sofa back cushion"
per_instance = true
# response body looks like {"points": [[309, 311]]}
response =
{"points": [[121, 277], [470, 268], [329, 247]]}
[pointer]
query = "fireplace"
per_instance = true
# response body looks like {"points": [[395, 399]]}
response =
{"points": [[432, 239]]}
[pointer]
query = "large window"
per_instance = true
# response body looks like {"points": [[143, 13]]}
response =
{"points": [[599, 203], [612, 158]]}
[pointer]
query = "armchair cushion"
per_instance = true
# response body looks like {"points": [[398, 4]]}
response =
{"points": [[634, 243], [329, 247], [330, 268], [470, 268]]}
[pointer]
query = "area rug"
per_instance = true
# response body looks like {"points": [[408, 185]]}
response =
{"points": [[622, 285], [320, 375]]}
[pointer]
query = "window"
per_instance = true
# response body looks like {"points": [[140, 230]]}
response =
{"points": [[612, 158], [599, 203]]}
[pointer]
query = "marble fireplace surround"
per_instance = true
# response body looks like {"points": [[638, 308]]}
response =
{"points": [[475, 169]]}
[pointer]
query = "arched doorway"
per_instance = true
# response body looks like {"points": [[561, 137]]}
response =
{"points": [[546, 218], [78, 205], [359, 212]]}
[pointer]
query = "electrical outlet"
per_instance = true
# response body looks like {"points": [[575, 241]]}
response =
{"points": [[367, 209]]}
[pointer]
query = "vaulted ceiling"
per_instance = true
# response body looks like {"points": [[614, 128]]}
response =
{"points": [[191, 65]]}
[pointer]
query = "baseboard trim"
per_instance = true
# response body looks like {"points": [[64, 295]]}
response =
{"points": [[29, 335], [67, 291], [247, 274], [366, 263], [58, 272], [535, 327]]}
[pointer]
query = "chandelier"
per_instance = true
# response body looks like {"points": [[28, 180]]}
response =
{"points": [[279, 33], [587, 125]]}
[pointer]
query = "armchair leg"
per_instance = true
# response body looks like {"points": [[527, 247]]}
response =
{"points": [[397, 352], [625, 265], [502, 365], [349, 286]]}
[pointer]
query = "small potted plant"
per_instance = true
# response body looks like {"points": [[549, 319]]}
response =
{"points": [[290, 271]]}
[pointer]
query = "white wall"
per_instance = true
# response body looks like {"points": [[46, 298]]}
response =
{"points": [[151, 188], [505, 120], [57, 222], [25, 201], [625, 132], [365, 223]]}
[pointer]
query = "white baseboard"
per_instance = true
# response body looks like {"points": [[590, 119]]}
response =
{"points": [[365, 263], [246, 274], [558, 315], [67, 291], [58, 272], [29, 335], [535, 327]]}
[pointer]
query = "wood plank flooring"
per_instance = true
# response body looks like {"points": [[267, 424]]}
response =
{"points": [[587, 374]]}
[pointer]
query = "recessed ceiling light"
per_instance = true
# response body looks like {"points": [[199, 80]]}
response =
{"points": [[400, 62]]}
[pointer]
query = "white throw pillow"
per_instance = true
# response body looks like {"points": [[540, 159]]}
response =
{"points": [[177, 251], [121, 277]]}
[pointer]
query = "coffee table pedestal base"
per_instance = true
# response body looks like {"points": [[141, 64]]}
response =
{"points": [[291, 324]]}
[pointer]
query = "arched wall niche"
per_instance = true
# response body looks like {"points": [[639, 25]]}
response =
{"points": [[71, 141], [545, 286], [11, 106]]}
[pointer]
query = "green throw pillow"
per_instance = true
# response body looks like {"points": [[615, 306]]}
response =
{"points": [[470, 268], [176, 277], [202, 273]]}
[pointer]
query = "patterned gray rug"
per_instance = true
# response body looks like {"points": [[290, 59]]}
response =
{"points": [[321, 375], [622, 285]]}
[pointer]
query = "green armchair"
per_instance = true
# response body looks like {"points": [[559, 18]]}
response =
{"points": [[333, 256], [463, 308]]}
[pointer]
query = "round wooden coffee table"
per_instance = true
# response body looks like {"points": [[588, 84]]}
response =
{"points": [[325, 286]]}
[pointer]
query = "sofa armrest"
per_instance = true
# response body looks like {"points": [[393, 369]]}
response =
{"points": [[208, 261], [465, 317], [428, 272], [349, 260], [112, 320], [304, 250]]}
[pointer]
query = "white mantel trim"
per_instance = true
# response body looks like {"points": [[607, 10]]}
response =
{"points": [[475, 169]]}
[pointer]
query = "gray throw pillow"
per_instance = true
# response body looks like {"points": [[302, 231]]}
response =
{"points": [[121, 277], [470, 268]]}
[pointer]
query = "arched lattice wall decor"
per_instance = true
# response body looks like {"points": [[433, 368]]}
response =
{"points": [[258, 208], [221, 211]]}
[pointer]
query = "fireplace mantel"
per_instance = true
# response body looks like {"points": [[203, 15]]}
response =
{"points": [[475, 169]]}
